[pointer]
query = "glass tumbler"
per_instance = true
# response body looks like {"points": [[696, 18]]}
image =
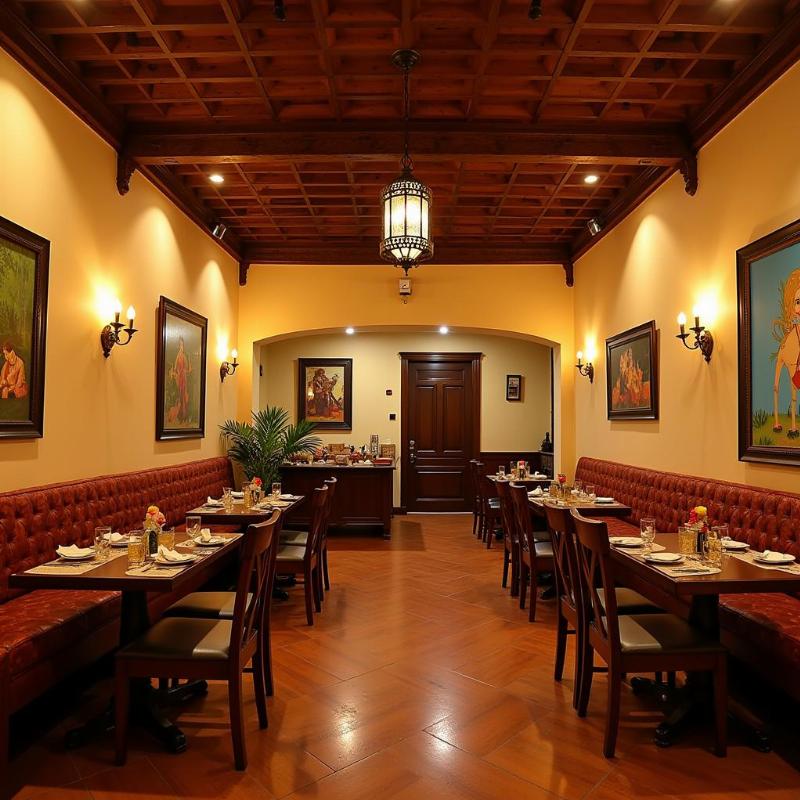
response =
{"points": [[591, 492], [102, 541], [227, 498], [276, 491], [166, 538], [687, 540], [136, 548], [647, 526]]}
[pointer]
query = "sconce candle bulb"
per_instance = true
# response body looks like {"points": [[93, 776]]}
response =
{"points": [[229, 367], [111, 333]]}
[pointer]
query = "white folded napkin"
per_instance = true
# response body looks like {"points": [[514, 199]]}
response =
{"points": [[771, 555], [73, 551], [537, 491], [237, 495], [212, 502], [205, 534], [538, 474], [287, 497], [115, 537], [604, 500], [165, 554]]}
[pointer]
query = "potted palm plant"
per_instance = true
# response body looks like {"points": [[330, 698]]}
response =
{"points": [[261, 446]]}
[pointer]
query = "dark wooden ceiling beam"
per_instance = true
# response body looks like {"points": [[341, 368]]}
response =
{"points": [[661, 145]]}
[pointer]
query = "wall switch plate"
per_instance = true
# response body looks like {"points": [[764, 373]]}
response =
{"points": [[388, 392], [392, 417]]}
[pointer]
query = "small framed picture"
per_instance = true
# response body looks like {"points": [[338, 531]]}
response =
{"points": [[632, 373], [513, 388], [325, 392]]}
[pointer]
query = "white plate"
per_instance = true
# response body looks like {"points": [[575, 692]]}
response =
{"points": [[188, 559], [626, 541], [605, 501], [733, 544], [785, 558], [76, 558], [664, 558], [287, 497], [123, 542], [214, 541]]}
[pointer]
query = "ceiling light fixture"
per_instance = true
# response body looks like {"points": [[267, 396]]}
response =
{"points": [[594, 225], [349, 331], [406, 202], [535, 9], [591, 178], [215, 177], [444, 329], [218, 231]]}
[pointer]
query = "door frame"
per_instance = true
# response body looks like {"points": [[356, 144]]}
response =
{"points": [[409, 358]]}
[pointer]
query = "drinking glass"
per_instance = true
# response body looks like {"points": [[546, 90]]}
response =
{"points": [[102, 541], [166, 538], [227, 498], [136, 548], [501, 472], [648, 528], [714, 550], [256, 491], [591, 492], [193, 526], [579, 488], [721, 530], [276, 491], [687, 540], [553, 489], [512, 468], [247, 499]]}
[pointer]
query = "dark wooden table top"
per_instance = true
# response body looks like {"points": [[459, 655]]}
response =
{"points": [[240, 516], [736, 577], [530, 479], [614, 509], [110, 575]]}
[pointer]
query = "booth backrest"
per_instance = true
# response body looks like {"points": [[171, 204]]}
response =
{"points": [[765, 519], [33, 522]]}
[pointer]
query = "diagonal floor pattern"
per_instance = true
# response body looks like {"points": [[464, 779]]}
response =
{"points": [[420, 679]]}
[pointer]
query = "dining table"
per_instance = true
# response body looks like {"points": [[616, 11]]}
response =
{"points": [[134, 585], [692, 589], [587, 508]]}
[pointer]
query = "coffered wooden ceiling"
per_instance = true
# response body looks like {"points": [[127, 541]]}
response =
{"points": [[302, 118]]}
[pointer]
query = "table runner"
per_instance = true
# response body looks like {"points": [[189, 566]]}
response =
{"points": [[749, 557], [670, 571], [62, 567]]}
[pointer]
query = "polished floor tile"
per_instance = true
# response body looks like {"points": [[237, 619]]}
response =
{"points": [[421, 679]]}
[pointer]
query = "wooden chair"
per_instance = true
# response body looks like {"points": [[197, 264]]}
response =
{"points": [[304, 559], [511, 540], [476, 497], [535, 555], [490, 514], [211, 649], [638, 642]]}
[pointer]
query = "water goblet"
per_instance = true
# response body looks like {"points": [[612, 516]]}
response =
{"points": [[193, 526]]}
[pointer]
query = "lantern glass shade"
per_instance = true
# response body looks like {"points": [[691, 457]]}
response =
{"points": [[406, 222]]}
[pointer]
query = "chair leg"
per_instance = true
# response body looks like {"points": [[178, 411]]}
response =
{"points": [[122, 689], [561, 647], [534, 596], [579, 667], [266, 660], [308, 591], [325, 568], [489, 533], [504, 583], [237, 720], [514, 572], [612, 712], [317, 588], [260, 689], [587, 670], [721, 707], [523, 583]]}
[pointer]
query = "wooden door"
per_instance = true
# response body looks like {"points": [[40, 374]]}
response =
{"points": [[440, 427]]}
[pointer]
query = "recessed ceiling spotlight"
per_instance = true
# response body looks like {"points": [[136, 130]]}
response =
{"points": [[595, 226], [591, 178], [215, 177], [444, 329], [349, 330]]}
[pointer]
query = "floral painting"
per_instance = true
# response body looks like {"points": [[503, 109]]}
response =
{"points": [[632, 374], [24, 264], [180, 401], [769, 347], [325, 392]]}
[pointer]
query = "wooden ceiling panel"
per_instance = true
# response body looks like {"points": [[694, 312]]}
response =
{"points": [[620, 72]]}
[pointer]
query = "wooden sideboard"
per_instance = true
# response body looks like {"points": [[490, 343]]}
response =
{"points": [[363, 493]]}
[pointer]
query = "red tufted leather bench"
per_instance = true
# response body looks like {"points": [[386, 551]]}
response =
{"points": [[762, 630], [46, 635]]}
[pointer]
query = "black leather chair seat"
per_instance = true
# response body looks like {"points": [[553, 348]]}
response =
{"points": [[663, 633], [205, 605], [299, 538], [544, 549], [631, 602], [289, 552], [182, 639]]}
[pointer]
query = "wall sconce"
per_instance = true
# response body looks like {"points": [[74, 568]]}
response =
{"points": [[703, 340], [587, 369], [110, 335], [228, 367]]}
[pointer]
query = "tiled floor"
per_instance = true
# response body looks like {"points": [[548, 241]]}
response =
{"points": [[420, 680]]}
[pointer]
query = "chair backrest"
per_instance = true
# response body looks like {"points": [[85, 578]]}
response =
{"points": [[331, 484], [255, 565], [481, 484], [509, 518], [594, 562], [319, 504], [522, 514], [473, 476], [562, 538]]}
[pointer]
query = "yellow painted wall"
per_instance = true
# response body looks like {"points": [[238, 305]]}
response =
{"points": [[515, 426], [57, 178], [531, 301], [671, 252]]}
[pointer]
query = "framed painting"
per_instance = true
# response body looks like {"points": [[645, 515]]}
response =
{"points": [[513, 388], [325, 392], [181, 372], [24, 267], [768, 288], [632, 373]]}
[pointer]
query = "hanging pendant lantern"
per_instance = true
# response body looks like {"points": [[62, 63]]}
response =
{"points": [[406, 201]]}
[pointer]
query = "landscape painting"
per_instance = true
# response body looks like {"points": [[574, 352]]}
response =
{"points": [[181, 378], [24, 265], [325, 392], [632, 373], [768, 273]]}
